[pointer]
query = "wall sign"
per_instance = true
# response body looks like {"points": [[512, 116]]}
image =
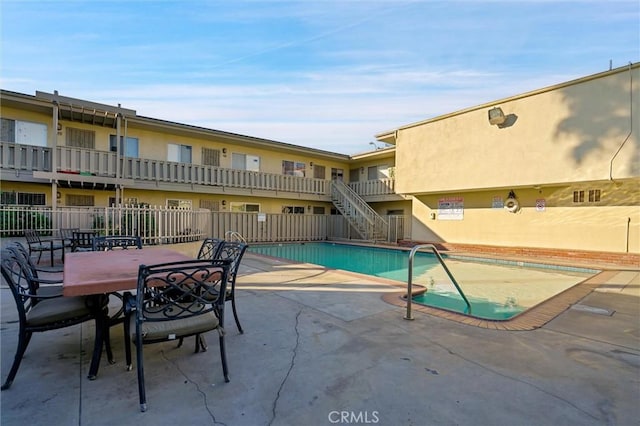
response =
{"points": [[451, 208]]}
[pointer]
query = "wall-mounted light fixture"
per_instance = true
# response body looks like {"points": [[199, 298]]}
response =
{"points": [[496, 116], [224, 202], [224, 150], [59, 127], [310, 163]]}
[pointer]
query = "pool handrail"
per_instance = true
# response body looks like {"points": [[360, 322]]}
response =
{"points": [[410, 277], [234, 236]]}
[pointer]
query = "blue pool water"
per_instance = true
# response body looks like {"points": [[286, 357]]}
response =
{"points": [[391, 264]]}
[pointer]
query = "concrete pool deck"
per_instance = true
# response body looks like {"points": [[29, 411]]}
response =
{"points": [[321, 347]]}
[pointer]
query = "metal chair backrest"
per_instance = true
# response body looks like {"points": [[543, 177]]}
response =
{"points": [[111, 242], [19, 280], [232, 251], [210, 248], [22, 256], [180, 290], [82, 240], [32, 236], [67, 233]]}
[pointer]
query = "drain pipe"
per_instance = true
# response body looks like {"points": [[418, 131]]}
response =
{"points": [[630, 124], [628, 230]]}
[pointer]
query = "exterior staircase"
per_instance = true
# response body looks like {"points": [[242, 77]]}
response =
{"points": [[367, 223]]}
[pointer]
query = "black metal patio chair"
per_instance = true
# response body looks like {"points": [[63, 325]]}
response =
{"points": [[117, 242], [39, 313], [82, 240], [66, 235], [175, 300], [51, 286], [233, 251], [210, 248], [39, 245], [110, 242]]}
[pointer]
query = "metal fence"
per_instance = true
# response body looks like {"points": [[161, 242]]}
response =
{"points": [[162, 225]]}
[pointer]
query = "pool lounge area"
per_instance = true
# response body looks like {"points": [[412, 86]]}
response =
{"points": [[322, 345]]}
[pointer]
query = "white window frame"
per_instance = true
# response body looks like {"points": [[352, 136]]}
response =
{"points": [[178, 153], [236, 207], [177, 203], [28, 132]]}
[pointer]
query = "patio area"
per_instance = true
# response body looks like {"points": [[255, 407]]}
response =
{"points": [[322, 347]]}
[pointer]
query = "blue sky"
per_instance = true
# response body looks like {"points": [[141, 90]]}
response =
{"points": [[318, 73]]}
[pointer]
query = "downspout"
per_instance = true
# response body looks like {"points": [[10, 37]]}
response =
{"points": [[630, 124]]}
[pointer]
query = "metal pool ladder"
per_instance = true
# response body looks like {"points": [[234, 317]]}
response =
{"points": [[410, 277], [234, 236]]}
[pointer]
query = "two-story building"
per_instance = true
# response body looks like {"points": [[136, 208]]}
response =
{"points": [[557, 167]]}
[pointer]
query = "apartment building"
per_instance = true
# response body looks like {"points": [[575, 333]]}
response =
{"points": [[64, 152], [557, 167]]}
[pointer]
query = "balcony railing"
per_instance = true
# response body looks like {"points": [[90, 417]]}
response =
{"points": [[25, 157], [104, 163], [374, 187]]}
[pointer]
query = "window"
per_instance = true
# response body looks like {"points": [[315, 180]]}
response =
{"points": [[22, 198], [318, 210], [245, 162], [179, 153], [210, 157], [291, 168], [23, 132], [378, 172], [80, 138], [293, 209], [245, 207], [212, 205], [578, 196], [179, 204], [319, 172], [128, 148], [79, 200], [593, 196], [337, 174]]}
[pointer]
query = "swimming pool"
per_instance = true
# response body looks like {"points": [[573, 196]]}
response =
{"points": [[496, 290]]}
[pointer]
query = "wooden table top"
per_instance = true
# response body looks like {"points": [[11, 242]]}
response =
{"points": [[100, 272]]}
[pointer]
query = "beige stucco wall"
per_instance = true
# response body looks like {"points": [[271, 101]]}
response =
{"points": [[608, 226], [557, 136], [556, 141]]}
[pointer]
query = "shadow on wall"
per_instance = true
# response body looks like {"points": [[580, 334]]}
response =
{"points": [[598, 116]]}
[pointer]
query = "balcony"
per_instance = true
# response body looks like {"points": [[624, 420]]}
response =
{"points": [[34, 163]]}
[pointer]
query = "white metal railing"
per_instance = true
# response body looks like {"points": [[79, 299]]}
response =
{"points": [[374, 187], [161, 225], [359, 214]]}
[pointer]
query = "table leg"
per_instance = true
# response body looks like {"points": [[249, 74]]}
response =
{"points": [[102, 336], [51, 251]]}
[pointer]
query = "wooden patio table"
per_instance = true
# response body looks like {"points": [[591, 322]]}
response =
{"points": [[98, 273]]}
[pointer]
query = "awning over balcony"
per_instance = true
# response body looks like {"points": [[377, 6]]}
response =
{"points": [[93, 113]]}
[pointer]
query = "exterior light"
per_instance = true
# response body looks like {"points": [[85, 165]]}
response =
{"points": [[496, 116]]}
